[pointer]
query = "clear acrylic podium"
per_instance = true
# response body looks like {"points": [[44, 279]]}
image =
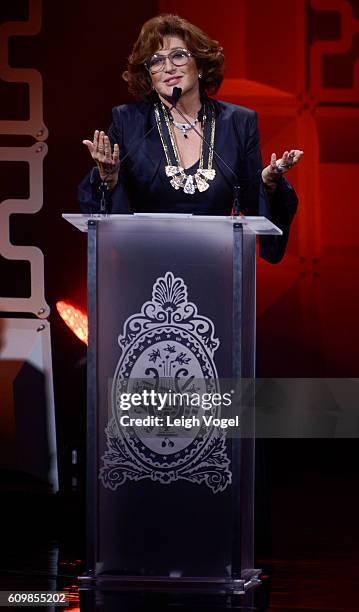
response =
{"points": [[171, 301]]}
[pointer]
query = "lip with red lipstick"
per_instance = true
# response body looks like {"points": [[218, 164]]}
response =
{"points": [[172, 80]]}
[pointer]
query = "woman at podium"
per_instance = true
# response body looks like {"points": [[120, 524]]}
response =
{"points": [[176, 149]]}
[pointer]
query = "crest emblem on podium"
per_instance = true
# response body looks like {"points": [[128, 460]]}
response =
{"points": [[167, 348]]}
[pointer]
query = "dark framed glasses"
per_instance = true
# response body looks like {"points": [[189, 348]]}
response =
{"points": [[177, 57]]}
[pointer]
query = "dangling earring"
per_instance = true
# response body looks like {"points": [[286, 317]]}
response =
{"points": [[200, 75]]}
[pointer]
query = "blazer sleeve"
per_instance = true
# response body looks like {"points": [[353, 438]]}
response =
{"points": [[89, 194], [279, 207]]}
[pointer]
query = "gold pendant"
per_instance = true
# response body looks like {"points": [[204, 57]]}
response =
{"points": [[176, 182], [173, 170], [207, 173], [202, 185]]}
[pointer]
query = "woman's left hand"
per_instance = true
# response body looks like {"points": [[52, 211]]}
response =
{"points": [[272, 173]]}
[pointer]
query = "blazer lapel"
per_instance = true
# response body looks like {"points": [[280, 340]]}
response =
{"points": [[152, 146]]}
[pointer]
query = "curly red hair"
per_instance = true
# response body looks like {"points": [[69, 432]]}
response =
{"points": [[207, 53]]}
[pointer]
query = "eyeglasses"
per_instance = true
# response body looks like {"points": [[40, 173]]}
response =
{"points": [[177, 57]]}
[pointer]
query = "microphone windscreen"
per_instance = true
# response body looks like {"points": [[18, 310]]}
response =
{"points": [[176, 94]]}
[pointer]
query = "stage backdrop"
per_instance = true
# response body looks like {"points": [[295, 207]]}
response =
{"points": [[297, 64]]}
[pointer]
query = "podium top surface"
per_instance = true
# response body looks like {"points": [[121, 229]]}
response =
{"points": [[255, 225]]}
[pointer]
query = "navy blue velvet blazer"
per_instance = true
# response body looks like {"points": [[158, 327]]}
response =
{"points": [[143, 186]]}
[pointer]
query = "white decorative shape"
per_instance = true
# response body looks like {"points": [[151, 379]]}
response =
{"points": [[34, 156], [189, 185], [34, 126], [167, 346]]}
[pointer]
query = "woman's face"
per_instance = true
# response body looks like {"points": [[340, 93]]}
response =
{"points": [[172, 76]]}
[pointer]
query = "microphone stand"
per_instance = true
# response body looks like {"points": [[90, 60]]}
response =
{"points": [[104, 194]]}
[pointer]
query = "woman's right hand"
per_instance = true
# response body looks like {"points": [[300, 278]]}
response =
{"points": [[108, 162]]}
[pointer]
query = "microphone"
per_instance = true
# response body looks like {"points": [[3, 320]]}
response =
{"points": [[176, 94], [173, 98]]}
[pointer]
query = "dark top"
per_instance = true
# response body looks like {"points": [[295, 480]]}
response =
{"points": [[144, 187]]}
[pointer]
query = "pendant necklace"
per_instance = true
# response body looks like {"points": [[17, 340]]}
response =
{"points": [[174, 168], [185, 127]]}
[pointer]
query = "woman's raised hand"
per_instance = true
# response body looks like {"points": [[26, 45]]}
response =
{"points": [[277, 167], [108, 162]]}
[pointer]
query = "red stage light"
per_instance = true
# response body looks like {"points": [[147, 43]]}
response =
{"points": [[75, 319]]}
